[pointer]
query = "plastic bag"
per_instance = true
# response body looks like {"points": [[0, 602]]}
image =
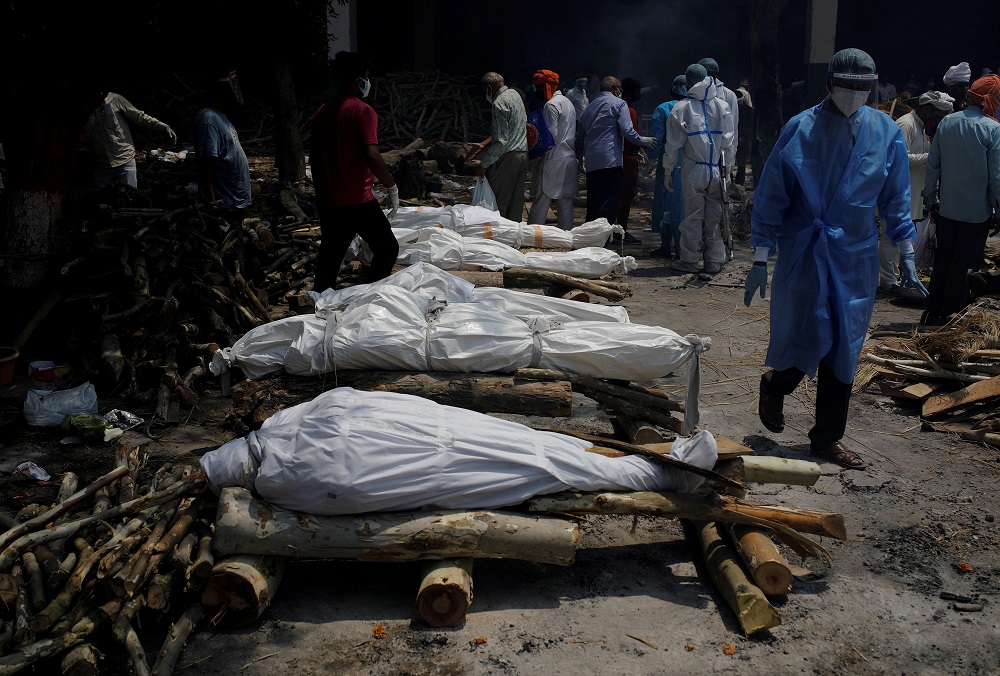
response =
{"points": [[926, 244], [539, 139], [44, 408], [482, 194]]}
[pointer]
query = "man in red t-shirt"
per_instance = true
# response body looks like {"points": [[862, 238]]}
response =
{"points": [[345, 163]]}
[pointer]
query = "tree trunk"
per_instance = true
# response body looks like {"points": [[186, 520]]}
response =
{"points": [[290, 157], [33, 220], [765, 79], [247, 525], [241, 588]]}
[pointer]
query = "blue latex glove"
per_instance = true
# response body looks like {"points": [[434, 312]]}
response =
{"points": [[756, 279], [908, 267]]}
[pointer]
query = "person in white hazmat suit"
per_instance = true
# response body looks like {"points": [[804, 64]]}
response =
{"points": [[726, 94], [558, 168], [702, 125], [918, 127]]}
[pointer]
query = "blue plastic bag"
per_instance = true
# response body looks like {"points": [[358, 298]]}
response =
{"points": [[539, 139]]}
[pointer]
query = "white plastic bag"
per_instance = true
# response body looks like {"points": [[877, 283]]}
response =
{"points": [[926, 244], [44, 408], [482, 194]]}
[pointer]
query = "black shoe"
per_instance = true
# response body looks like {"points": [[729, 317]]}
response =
{"points": [[660, 253], [771, 411], [631, 239]]}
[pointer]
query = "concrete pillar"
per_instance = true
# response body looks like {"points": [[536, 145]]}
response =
{"points": [[342, 28], [821, 37]]}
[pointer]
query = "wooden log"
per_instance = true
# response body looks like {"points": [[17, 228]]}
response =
{"points": [[247, 525], [26, 655], [241, 587], [746, 600], [178, 635], [445, 592], [484, 392], [587, 385], [178, 490], [949, 401], [638, 432], [200, 570], [60, 604], [22, 609], [133, 647], [770, 470], [62, 508], [693, 506], [8, 590], [80, 661], [55, 576], [67, 487], [158, 593], [577, 295], [920, 391], [638, 411], [514, 277], [33, 576], [181, 556], [763, 560]]}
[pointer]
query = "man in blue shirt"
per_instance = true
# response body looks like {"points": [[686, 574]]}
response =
{"points": [[223, 171], [600, 136], [962, 184]]}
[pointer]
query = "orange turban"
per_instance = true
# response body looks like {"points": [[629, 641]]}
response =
{"points": [[548, 78], [985, 92]]}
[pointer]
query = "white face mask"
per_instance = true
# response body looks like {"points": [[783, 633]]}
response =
{"points": [[365, 86], [489, 96], [849, 101]]}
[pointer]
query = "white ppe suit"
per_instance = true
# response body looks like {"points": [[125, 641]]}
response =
{"points": [[702, 125]]}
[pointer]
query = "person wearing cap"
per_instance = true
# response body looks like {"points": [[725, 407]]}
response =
{"points": [[725, 94], [107, 130], [963, 186], [223, 170], [578, 95], [701, 125], [600, 135], [557, 167], [744, 131], [668, 207], [345, 161], [833, 167], [957, 81], [918, 127]]}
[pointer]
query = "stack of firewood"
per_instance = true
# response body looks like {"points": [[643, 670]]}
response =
{"points": [[952, 374], [156, 291], [82, 569], [432, 105]]}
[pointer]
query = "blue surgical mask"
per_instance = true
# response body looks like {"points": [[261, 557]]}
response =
{"points": [[365, 86]]}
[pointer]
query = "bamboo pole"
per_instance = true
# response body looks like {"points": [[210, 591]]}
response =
{"points": [[746, 600], [445, 592]]}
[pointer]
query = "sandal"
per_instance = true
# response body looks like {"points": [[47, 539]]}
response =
{"points": [[841, 455]]}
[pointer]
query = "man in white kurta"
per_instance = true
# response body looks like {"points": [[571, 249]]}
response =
{"points": [[918, 127], [559, 166]]}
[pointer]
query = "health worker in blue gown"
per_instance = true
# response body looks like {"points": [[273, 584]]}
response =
{"points": [[834, 167], [668, 207]]}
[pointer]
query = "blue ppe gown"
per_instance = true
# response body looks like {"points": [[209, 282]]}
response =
{"points": [[668, 204], [816, 203]]}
